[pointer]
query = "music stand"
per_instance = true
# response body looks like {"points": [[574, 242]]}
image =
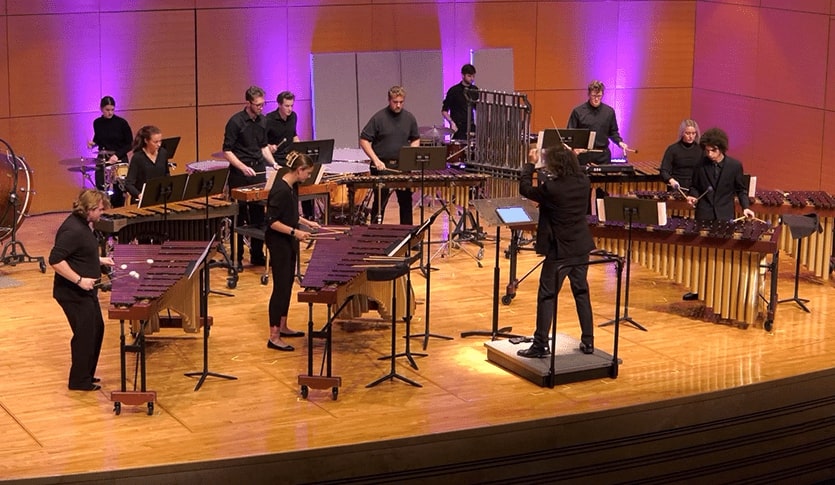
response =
{"points": [[321, 151], [208, 184], [420, 159], [203, 263], [170, 145], [488, 208], [630, 210], [163, 190], [801, 226], [573, 137]]}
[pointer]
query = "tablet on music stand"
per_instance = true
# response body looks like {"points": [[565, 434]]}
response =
{"points": [[513, 215], [421, 158], [170, 145], [321, 151], [626, 209], [205, 184], [163, 190]]}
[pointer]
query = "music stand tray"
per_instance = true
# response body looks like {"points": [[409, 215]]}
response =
{"points": [[321, 151], [199, 183], [421, 158], [163, 190]]}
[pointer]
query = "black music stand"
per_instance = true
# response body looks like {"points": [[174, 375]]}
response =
{"points": [[208, 184], [419, 233], [203, 263], [488, 208], [630, 210], [800, 227], [162, 191], [321, 151], [10, 255]]}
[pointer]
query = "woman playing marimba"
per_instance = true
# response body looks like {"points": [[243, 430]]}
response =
{"points": [[282, 238]]}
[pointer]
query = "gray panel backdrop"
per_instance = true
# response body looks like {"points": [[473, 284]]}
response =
{"points": [[350, 87]]}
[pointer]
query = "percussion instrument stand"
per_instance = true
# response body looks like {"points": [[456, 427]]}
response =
{"points": [[204, 317], [11, 256], [629, 213]]}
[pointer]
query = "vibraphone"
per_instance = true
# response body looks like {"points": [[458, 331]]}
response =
{"points": [[336, 277], [147, 279], [178, 221], [451, 184], [769, 205], [724, 262]]}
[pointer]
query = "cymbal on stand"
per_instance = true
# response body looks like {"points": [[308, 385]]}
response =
{"points": [[434, 132], [79, 161], [82, 169]]}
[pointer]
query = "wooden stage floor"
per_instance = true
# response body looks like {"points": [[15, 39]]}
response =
{"points": [[259, 427]]}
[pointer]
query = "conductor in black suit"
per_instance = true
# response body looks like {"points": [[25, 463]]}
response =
{"points": [[563, 237], [716, 180]]}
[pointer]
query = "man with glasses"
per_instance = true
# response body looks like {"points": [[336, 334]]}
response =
{"points": [[600, 118], [245, 147]]}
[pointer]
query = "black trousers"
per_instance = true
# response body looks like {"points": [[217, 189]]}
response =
{"points": [[283, 264], [550, 282], [87, 324], [404, 200]]}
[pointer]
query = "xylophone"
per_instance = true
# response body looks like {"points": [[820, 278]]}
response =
{"points": [[179, 221], [770, 205], [147, 279], [451, 184], [336, 277], [724, 262]]}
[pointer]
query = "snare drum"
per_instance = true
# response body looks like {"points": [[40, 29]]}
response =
{"points": [[115, 173], [206, 166]]}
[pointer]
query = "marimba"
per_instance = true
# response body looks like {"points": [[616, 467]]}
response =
{"points": [[724, 262], [451, 184], [147, 279], [769, 205], [336, 277], [178, 221], [258, 192]]}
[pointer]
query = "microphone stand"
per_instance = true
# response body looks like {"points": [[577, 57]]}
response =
{"points": [[11, 257]]}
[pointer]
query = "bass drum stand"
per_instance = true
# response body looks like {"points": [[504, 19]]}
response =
{"points": [[13, 250]]}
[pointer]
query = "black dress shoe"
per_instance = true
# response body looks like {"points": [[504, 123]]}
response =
{"points": [[533, 352], [586, 348], [95, 379], [292, 334], [257, 261], [284, 348], [88, 387], [690, 296]]}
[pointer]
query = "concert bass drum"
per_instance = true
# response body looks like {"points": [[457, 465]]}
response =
{"points": [[17, 183]]}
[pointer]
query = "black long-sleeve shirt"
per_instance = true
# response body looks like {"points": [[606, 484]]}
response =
{"points": [[113, 134], [142, 169]]}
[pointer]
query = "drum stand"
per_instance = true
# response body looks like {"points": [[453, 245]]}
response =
{"points": [[11, 256]]}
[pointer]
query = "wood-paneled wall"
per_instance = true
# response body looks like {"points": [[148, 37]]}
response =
{"points": [[763, 70]]}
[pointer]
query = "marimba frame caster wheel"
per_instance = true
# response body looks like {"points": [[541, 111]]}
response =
{"points": [[265, 279], [768, 325], [150, 409], [231, 283], [305, 392], [334, 393], [42, 266], [507, 299], [117, 408]]}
